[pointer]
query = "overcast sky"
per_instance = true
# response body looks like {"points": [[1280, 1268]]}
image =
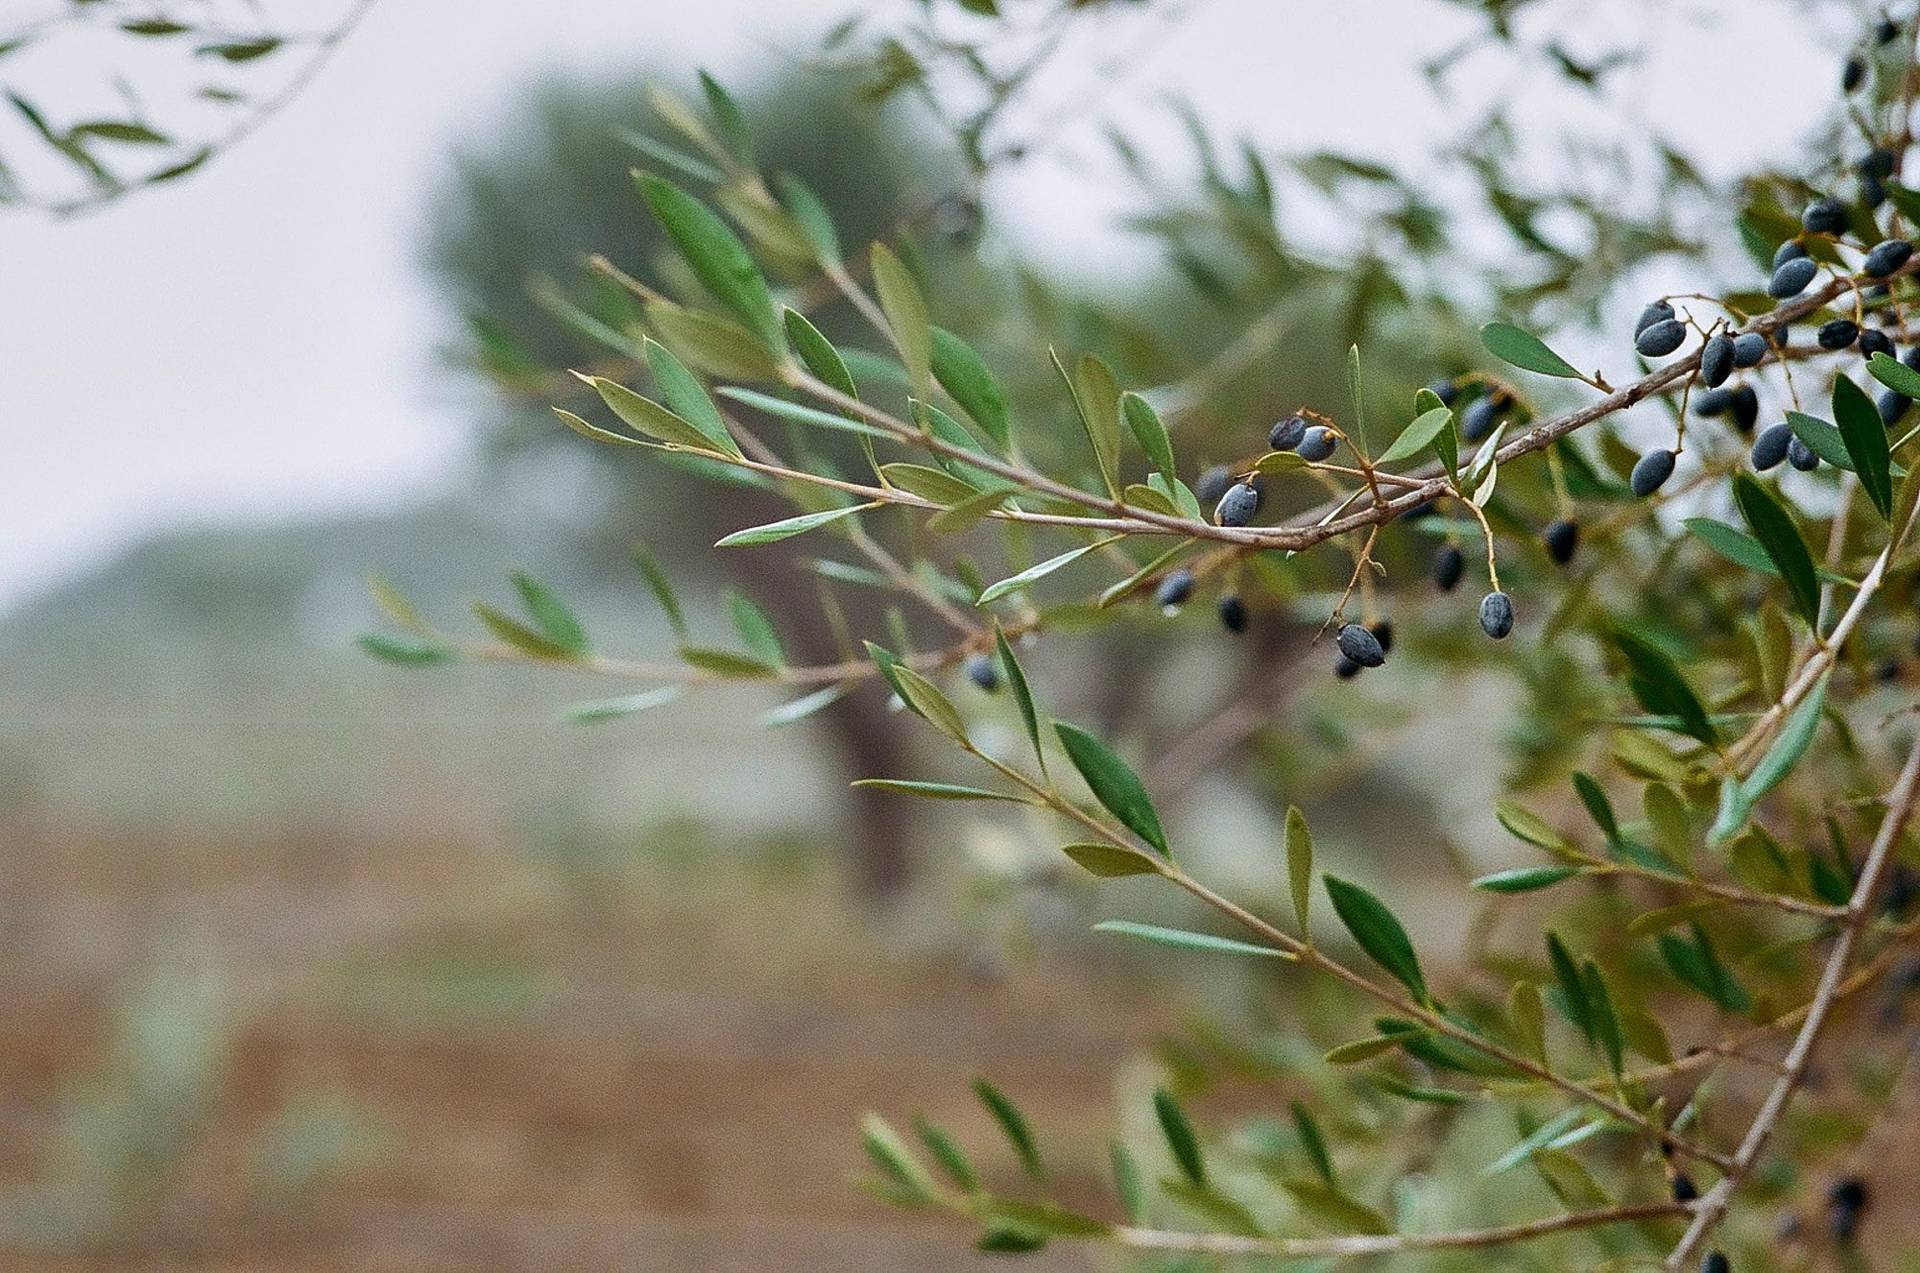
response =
{"points": [[257, 338]]}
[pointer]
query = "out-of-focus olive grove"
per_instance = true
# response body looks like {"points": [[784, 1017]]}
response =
{"points": [[313, 962]]}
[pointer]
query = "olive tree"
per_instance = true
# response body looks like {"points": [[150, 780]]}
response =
{"points": [[1710, 636]]}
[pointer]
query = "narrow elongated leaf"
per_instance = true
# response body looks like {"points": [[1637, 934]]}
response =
{"points": [[1095, 397], [1314, 1143], [730, 119], [1790, 746], [710, 343], [1525, 350], [1822, 439], [1736, 546], [687, 396], [1525, 879], [800, 708], [1046, 1218], [662, 591], [648, 417], [800, 413], [1016, 678], [968, 512], [1180, 1138], [1418, 435], [1660, 688], [906, 312], [1698, 965], [755, 629], [1378, 931], [937, 790], [1013, 1123], [1363, 1049], [1126, 1182], [402, 650], [606, 709], [810, 213], [1148, 431], [1113, 783], [971, 385], [1573, 991], [895, 1161], [1014, 583], [1111, 862], [1181, 939], [1300, 867], [929, 483], [1526, 825], [1535, 1141], [1739, 796], [1895, 375], [947, 1153], [928, 700], [817, 353], [1335, 1210], [1774, 527], [787, 528], [527, 640], [551, 614], [1529, 1018], [598, 434], [1866, 442], [715, 255], [728, 664], [1357, 396], [1606, 1022]]}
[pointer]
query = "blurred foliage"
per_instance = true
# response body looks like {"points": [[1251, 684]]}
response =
{"points": [[172, 86]]}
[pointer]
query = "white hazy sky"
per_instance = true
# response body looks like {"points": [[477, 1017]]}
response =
{"points": [[256, 339]]}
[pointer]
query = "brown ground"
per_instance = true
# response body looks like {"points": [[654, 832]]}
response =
{"points": [[429, 1056]]}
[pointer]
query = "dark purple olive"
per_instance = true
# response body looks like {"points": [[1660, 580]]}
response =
{"points": [[1651, 472], [1661, 339], [1657, 312], [1233, 614], [1174, 589], [1316, 444], [1746, 408], [982, 672], [1791, 250], [1496, 615], [1345, 668], [1561, 538], [1874, 341], [1825, 216], [1791, 277], [1238, 505], [1770, 448], [1448, 565], [1802, 456], [1748, 349], [1886, 257], [1891, 406], [1837, 333], [1360, 645], [1286, 435], [1716, 359]]}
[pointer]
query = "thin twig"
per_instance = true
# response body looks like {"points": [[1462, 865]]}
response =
{"points": [[1714, 1205], [1230, 1244]]}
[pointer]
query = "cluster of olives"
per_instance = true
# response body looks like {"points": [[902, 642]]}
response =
{"points": [[1660, 332]]}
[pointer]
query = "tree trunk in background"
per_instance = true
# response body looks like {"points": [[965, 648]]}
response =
{"points": [[864, 734]]}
